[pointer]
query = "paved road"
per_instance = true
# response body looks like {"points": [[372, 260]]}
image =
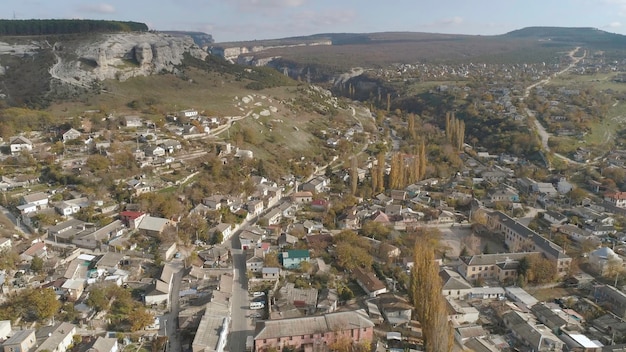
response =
{"points": [[241, 325], [18, 224]]}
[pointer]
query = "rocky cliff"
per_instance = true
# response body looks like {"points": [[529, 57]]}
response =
{"points": [[121, 56], [35, 70]]}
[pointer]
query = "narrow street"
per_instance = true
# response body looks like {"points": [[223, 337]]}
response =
{"points": [[241, 325]]}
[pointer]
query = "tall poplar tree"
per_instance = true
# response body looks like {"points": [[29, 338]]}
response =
{"points": [[428, 300]]}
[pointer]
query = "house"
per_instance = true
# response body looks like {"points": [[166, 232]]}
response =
{"points": [[500, 267], [254, 260], [554, 218], [57, 338], [171, 145], [189, 113], [132, 219], [537, 337], [503, 194], [576, 341], [159, 291], [36, 250], [395, 309], [313, 332], [618, 199], [39, 199], [461, 312], [285, 240], [104, 344], [70, 134], [67, 208], [462, 334], [153, 226], [302, 197], [154, 151], [132, 121], [225, 229], [349, 220], [18, 144], [250, 239], [291, 259], [214, 202], [303, 299], [5, 244], [255, 207], [603, 260], [327, 300], [549, 317], [316, 185], [214, 255], [519, 237], [453, 284], [74, 289], [369, 282], [21, 341], [273, 217], [270, 273]]}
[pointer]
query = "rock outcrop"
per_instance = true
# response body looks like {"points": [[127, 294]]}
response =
{"points": [[122, 56]]}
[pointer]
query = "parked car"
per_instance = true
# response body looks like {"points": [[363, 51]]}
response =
{"points": [[258, 294]]}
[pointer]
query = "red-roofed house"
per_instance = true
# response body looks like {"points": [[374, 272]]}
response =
{"points": [[369, 282], [616, 198], [38, 249], [132, 219], [380, 217]]}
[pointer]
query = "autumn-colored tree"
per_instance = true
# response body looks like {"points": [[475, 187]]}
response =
{"points": [[540, 269], [430, 305], [271, 260], [140, 318], [380, 169]]}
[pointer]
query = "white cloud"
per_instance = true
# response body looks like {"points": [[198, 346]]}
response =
{"points": [[101, 8], [453, 21], [615, 24]]}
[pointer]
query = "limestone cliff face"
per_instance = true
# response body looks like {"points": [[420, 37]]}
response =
{"points": [[122, 56]]}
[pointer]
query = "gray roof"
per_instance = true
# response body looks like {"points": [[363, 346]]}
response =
{"points": [[547, 247], [54, 336], [150, 223], [491, 259], [103, 344], [452, 280], [337, 321], [18, 337]]}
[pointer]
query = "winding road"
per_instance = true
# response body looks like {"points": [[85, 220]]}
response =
{"points": [[541, 130]]}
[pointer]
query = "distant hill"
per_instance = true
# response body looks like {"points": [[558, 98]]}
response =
{"points": [[53, 27], [585, 36]]}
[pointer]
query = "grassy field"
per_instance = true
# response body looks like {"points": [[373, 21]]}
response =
{"points": [[549, 294]]}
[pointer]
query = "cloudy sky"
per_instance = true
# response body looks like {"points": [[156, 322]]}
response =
{"points": [[230, 20]]}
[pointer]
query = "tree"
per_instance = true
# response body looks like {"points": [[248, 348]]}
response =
{"points": [[97, 298], [36, 264], [540, 269], [140, 318], [217, 237], [426, 296], [271, 260]]}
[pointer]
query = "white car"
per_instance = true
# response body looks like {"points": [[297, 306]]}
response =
{"points": [[258, 294]]}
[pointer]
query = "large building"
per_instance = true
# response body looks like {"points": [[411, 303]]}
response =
{"points": [[520, 238], [500, 267], [313, 333]]}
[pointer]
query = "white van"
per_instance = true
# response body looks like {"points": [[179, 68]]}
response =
{"points": [[257, 305]]}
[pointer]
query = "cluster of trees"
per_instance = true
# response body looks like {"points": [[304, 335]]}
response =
{"points": [[31, 304], [352, 250], [124, 311], [48, 27], [407, 169], [455, 130]]}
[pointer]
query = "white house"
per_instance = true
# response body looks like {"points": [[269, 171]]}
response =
{"points": [[603, 258], [56, 338], [616, 198], [70, 135], [19, 143]]}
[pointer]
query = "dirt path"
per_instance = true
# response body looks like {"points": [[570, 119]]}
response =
{"points": [[541, 130]]}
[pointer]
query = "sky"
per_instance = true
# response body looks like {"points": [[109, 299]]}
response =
{"points": [[239, 20]]}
